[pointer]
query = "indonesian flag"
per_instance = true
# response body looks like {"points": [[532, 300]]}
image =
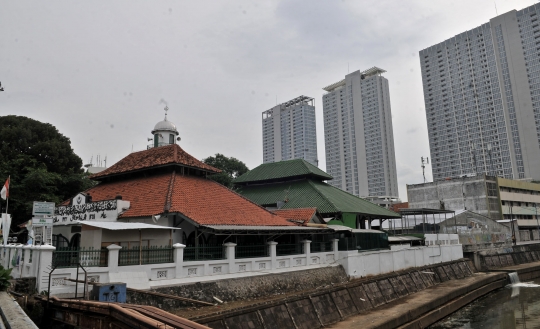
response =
{"points": [[5, 190]]}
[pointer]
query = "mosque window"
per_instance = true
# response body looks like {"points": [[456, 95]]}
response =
{"points": [[171, 138]]}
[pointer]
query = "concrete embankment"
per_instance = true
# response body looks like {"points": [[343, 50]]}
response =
{"points": [[427, 306], [324, 307], [13, 316]]}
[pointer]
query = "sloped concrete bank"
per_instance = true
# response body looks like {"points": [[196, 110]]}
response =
{"points": [[431, 305], [328, 306]]}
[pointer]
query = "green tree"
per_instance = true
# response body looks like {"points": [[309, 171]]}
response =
{"points": [[41, 163], [230, 167]]}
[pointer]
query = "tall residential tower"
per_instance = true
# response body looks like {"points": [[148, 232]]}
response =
{"points": [[482, 98], [358, 135], [289, 131]]}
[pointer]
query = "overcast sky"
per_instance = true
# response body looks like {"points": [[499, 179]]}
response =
{"points": [[102, 71]]}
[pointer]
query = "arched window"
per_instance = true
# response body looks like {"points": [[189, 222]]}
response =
{"points": [[60, 241], [171, 138], [156, 140], [75, 241]]}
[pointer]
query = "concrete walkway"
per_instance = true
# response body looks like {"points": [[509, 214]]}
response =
{"points": [[418, 310], [12, 314]]}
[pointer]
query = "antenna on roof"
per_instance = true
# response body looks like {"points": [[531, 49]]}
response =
{"points": [[424, 162]]}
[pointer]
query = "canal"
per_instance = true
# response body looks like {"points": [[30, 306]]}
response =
{"points": [[515, 306]]}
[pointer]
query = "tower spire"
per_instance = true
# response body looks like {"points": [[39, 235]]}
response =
{"points": [[166, 109]]}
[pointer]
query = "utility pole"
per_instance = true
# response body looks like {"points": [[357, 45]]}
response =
{"points": [[424, 162]]}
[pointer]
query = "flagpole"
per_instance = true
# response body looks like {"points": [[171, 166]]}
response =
{"points": [[7, 197]]}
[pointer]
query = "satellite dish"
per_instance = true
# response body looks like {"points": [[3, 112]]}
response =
{"points": [[362, 77]]}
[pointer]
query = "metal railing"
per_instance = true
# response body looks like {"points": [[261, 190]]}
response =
{"points": [[145, 255], [204, 252], [254, 251], [88, 257], [322, 246], [289, 249]]}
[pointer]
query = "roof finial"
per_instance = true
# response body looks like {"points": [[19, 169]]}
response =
{"points": [[166, 109]]}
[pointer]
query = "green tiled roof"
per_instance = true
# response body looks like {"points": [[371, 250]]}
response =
{"points": [[282, 169], [310, 193]]}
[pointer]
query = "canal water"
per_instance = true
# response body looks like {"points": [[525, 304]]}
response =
{"points": [[515, 306]]}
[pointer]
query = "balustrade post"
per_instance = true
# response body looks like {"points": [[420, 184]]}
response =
{"points": [[336, 249], [273, 253], [9, 255], [307, 251], [179, 259], [231, 256], [114, 254], [25, 268], [45, 263]]}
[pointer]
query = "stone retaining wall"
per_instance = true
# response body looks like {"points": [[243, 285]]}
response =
{"points": [[243, 288], [509, 259], [330, 305]]}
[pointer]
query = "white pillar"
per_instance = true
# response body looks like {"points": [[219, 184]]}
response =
{"points": [[179, 259], [25, 268], [114, 253], [45, 262], [9, 254], [336, 251], [307, 251], [273, 254], [231, 257]]}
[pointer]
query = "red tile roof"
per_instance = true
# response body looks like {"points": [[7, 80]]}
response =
{"points": [[154, 157], [202, 200], [299, 214], [395, 207]]}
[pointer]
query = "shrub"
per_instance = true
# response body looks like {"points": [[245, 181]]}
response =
{"points": [[5, 276]]}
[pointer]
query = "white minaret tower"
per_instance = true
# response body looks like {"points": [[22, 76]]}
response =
{"points": [[165, 133]]}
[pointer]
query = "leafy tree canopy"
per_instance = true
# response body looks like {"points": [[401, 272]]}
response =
{"points": [[41, 164], [231, 168]]}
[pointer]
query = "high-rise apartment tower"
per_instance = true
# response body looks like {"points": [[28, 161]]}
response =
{"points": [[482, 98], [289, 131], [358, 135]]}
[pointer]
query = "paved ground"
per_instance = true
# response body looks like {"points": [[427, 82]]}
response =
{"points": [[14, 314], [388, 315]]}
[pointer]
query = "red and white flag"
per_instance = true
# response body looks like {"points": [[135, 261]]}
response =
{"points": [[5, 190]]}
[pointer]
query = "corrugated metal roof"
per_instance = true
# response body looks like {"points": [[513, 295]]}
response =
{"points": [[115, 226], [309, 193], [402, 238], [282, 169], [263, 228]]}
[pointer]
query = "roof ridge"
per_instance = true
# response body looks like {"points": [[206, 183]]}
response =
{"points": [[322, 195], [168, 197], [363, 199]]}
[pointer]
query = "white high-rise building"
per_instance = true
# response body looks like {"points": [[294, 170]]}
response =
{"points": [[289, 131], [358, 135], [482, 98]]}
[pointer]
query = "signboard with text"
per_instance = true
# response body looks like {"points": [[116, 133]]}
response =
{"points": [[37, 221], [43, 208]]}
